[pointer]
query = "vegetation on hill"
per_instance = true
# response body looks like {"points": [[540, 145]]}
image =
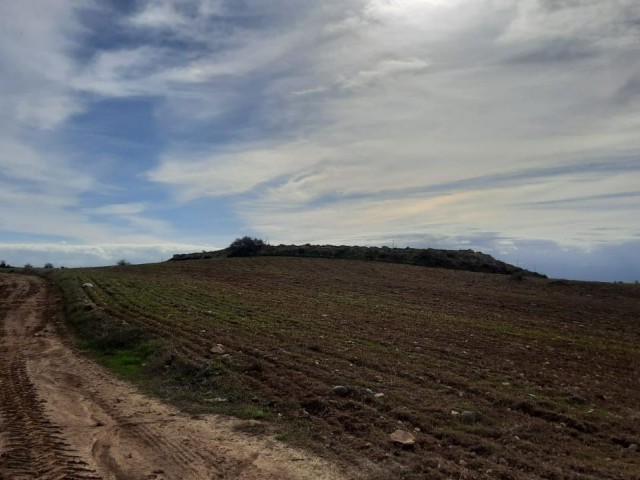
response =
{"points": [[426, 257]]}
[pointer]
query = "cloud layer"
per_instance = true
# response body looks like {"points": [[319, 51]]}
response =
{"points": [[356, 121]]}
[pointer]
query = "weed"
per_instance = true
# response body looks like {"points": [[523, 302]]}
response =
{"points": [[252, 413]]}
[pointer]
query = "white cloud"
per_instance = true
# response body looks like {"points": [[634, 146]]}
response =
{"points": [[118, 209], [233, 172], [454, 90], [159, 14], [34, 56], [331, 118], [69, 255]]}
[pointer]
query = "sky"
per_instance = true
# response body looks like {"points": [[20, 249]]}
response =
{"points": [[140, 129]]}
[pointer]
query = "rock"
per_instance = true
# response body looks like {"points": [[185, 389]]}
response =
{"points": [[378, 395], [633, 448], [87, 285], [469, 416], [403, 438], [219, 349], [340, 391], [578, 400]]}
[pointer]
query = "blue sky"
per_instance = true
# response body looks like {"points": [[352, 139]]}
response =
{"points": [[140, 129]]}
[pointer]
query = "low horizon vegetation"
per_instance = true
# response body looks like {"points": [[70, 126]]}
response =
{"points": [[429, 257]]}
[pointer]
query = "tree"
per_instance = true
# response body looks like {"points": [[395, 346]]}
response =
{"points": [[48, 265], [245, 247], [122, 262]]}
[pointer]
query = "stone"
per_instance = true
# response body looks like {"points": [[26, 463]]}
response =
{"points": [[87, 285], [633, 448], [340, 390], [469, 416], [218, 348], [403, 438]]}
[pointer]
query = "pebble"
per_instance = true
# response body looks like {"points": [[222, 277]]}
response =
{"points": [[340, 390], [633, 448], [469, 416], [402, 437]]}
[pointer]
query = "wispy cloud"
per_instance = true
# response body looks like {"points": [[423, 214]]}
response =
{"points": [[341, 120], [69, 255]]}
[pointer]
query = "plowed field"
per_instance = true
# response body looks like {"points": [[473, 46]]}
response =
{"points": [[551, 369], [62, 417]]}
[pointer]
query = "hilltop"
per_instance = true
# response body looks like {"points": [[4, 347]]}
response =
{"points": [[467, 260]]}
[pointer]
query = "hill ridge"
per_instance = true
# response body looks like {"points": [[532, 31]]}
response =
{"points": [[468, 260]]}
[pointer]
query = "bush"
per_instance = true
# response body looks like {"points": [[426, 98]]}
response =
{"points": [[48, 265], [245, 247], [123, 262]]}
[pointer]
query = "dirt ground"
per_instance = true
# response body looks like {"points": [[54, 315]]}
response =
{"points": [[550, 367], [64, 417]]}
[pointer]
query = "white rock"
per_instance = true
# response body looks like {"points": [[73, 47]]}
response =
{"points": [[402, 437]]}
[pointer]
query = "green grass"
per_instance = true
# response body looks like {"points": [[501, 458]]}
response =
{"points": [[253, 413]]}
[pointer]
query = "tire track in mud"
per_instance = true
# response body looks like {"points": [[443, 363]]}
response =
{"points": [[32, 446], [62, 417]]}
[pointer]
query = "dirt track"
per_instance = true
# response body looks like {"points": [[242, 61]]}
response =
{"points": [[64, 417]]}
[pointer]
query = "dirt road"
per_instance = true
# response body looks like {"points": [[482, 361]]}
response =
{"points": [[64, 417]]}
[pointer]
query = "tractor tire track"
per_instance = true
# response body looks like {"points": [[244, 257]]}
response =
{"points": [[63, 417], [32, 445]]}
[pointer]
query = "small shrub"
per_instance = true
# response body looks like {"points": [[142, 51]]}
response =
{"points": [[122, 262], [245, 247], [48, 265], [518, 276], [252, 413]]}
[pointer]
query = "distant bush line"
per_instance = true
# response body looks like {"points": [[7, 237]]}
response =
{"points": [[427, 257]]}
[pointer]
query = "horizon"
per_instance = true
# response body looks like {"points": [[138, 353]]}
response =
{"points": [[83, 256], [143, 129]]}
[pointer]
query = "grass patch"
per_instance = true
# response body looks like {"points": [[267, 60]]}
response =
{"points": [[282, 437], [253, 413]]}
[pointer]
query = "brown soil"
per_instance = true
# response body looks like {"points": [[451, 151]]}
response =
{"points": [[552, 368], [64, 417]]}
